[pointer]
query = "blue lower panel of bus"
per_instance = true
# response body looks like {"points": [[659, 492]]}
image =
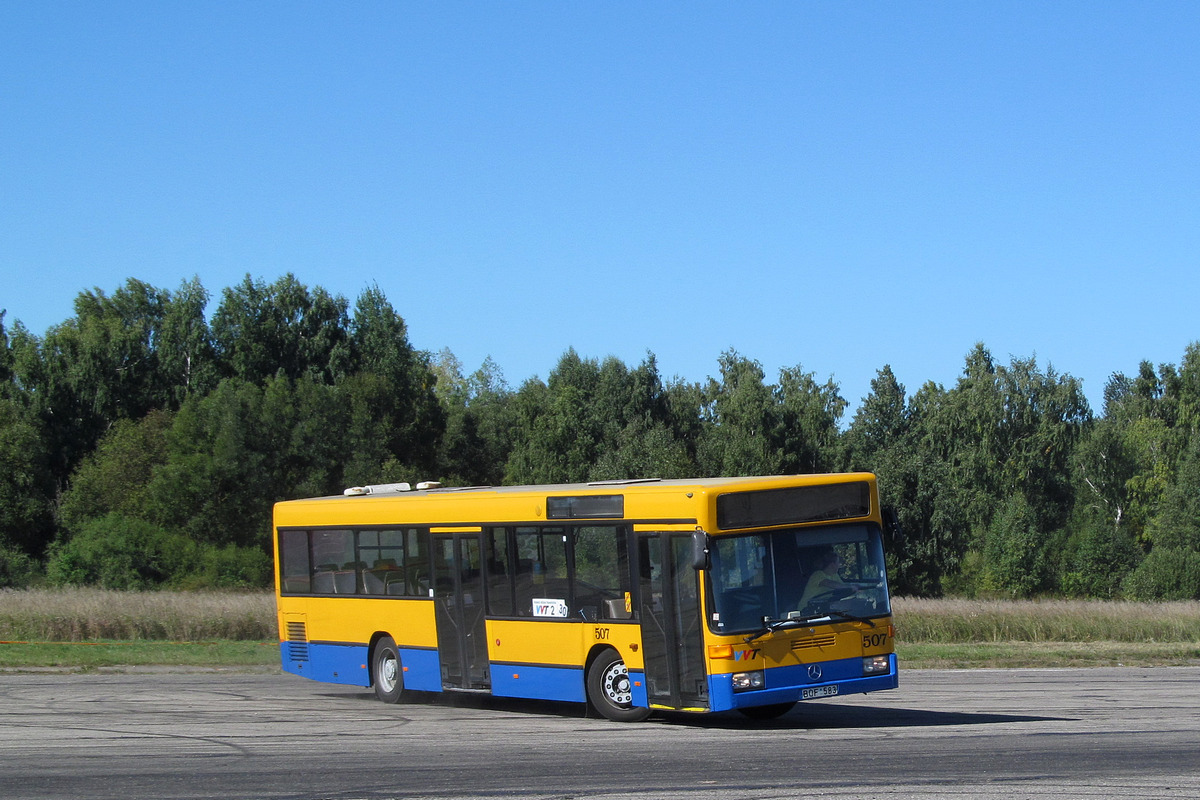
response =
{"points": [[538, 683], [637, 687], [328, 663], [792, 683], [347, 664]]}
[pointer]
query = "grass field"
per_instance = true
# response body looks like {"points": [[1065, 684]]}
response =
{"points": [[95, 628], [951, 633]]}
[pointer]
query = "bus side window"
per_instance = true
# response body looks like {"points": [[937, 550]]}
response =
{"points": [[380, 554], [294, 562], [601, 572], [499, 583], [417, 582], [545, 551], [331, 549]]}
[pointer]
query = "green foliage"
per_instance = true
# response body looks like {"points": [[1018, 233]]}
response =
{"points": [[227, 567], [261, 330], [1168, 573], [1100, 556], [117, 552], [1176, 521], [116, 476], [17, 570], [1016, 558], [742, 418], [138, 429], [25, 482]]}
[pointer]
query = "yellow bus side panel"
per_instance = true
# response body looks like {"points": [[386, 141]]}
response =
{"points": [[560, 643], [353, 620]]}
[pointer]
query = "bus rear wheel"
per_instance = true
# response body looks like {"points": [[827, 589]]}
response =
{"points": [[609, 690], [386, 674]]}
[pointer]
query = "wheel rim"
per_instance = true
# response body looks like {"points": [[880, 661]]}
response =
{"points": [[387, 672], [615, 683]]}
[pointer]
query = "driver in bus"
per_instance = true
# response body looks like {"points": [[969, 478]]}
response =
{"points": [[825, 579]]}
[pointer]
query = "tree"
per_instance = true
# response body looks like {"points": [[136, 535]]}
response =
{"points": [[116, 476], [6, 373], [640, 439], [1017, 560], [414, 419], [261, 330], [740, 417], [808, 415], [26, 485], [879, 424], [1176, 522], [222, 470], [186, 352]]}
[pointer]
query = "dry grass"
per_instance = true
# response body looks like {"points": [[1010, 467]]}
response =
{"points": [[949, 621], [83, 615]]}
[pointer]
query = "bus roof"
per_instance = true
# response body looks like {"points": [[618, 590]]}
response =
{"points": [[751, 482], [680, 500]]}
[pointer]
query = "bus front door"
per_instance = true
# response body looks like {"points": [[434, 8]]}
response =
{"points": [[670, 615], [459, 609]]}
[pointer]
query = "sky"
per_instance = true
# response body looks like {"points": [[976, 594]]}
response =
{"points": [[830, 185]]}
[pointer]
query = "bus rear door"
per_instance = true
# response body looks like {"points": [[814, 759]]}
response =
{"points": [[458, 600]]}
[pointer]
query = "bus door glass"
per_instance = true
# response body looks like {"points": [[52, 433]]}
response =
{"points": [[458, 599], [671, 624]]}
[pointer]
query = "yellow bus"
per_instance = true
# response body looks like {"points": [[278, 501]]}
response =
{"points": [[700, 595]]}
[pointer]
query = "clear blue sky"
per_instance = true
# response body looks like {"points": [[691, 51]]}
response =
{"points": [[835, 185]]}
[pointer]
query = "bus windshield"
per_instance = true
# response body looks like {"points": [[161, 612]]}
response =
{"points": [[813, 574]]}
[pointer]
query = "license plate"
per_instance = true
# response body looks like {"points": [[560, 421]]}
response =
{"points": [[819, 691]]}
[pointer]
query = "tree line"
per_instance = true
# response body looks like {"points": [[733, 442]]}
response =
{"points": [[143, 442]]}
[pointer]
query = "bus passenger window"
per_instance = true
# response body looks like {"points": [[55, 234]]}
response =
{"points": [[334, 553], [294, 565], [541, 569], [499, 574], [380, 553], [601, 573]]}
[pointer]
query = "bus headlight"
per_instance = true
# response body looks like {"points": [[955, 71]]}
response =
{"points": [[748, 681], [874, 665]]}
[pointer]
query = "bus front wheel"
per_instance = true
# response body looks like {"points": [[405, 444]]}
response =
{"points": [[609, 689], [386, 674]]}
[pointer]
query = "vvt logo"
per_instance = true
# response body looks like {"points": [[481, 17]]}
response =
{"points": [[745, 655]]}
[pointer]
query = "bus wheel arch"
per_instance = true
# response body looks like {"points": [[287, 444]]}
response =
{"points": [[387, 673], [608, 688]]}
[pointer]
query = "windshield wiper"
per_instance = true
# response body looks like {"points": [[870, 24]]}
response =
{"points": [[851, 617], [772, 625]]}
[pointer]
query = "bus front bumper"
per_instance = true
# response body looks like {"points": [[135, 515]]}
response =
{"points": [[794, 683]]}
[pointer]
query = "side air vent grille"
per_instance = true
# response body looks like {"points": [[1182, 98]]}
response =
{"points": [[297, 641]]}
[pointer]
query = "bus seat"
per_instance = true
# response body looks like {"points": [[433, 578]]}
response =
{"points": [[344, 582], [322, 583], [395, 584], [374, 581], [298, 585]]}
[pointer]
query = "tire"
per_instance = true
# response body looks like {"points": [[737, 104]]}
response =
{"points": [[772, 711], [387, 676], [609, 690]]}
